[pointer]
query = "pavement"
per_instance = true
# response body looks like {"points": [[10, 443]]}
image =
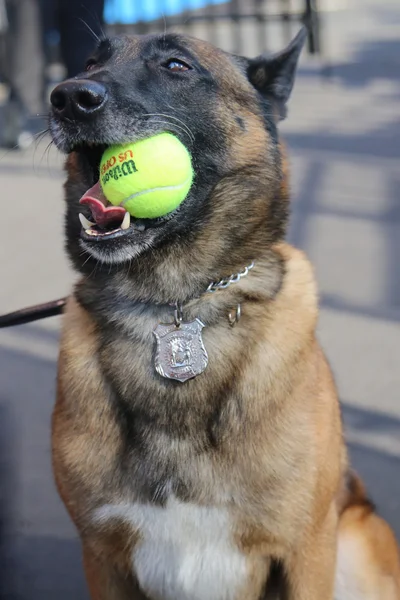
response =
{"points": [[343, 134]]}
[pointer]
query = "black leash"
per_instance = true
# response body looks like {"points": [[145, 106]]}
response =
{"points": [[33, 313]]}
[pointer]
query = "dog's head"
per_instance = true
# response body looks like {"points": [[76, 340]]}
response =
{"points": [[224, 109]]}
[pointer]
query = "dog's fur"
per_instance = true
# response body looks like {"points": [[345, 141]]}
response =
{"points": [[234, 485]]}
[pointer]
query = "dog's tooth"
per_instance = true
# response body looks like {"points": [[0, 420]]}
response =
{"points": [[140, 227], [86, 224], [126, 222]]}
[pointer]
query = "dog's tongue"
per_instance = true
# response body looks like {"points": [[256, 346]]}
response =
{"points": [[97, 202]]}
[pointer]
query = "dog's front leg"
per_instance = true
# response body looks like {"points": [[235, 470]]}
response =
{"points": [[311, 570], [105, 582]]}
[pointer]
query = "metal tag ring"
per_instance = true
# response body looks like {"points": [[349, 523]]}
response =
{"points": [[178, 315], [235, 318]]}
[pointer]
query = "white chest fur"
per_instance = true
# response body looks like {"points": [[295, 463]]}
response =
{"points": [[186, 551]]}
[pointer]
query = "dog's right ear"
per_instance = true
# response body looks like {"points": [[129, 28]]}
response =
{"points": [[273, 75]]}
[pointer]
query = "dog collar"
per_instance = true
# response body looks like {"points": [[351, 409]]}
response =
{"points": [[181, 354]]}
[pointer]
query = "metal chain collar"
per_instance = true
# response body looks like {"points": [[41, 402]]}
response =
{"points": [[214, 286], [222, 284]]}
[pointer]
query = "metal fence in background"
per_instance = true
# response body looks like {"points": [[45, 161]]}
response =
{"points": [[240, 26]]}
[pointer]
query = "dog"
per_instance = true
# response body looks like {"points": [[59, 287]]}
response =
{"points": [[216, 470]]}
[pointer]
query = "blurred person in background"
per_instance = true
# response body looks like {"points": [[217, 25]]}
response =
{"points": [[36, 31], [78, 22], [22, 72]]}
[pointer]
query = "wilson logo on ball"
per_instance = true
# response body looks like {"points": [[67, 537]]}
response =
{"points": [[112, 160], [127, 168]]}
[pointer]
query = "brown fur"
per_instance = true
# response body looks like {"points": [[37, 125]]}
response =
{"points": [[299, 425], [259, 433]]}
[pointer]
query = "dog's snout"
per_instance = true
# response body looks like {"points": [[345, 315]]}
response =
{"points": [[78, 99]]}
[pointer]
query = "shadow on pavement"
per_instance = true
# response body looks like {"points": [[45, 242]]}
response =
{"points": [[8, 468], [380, 473], [383, 142], [367, 421], [306, 205], [374, 59], [379, 470], [49, 568]]}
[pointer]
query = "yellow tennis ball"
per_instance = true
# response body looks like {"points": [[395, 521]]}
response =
{"points": [[149, 178]]}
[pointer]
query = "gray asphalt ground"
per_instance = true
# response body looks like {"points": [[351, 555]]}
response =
{"points": [[343, 135]]}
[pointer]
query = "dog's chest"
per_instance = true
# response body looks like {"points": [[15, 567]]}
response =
{"points": [[185, 551]]}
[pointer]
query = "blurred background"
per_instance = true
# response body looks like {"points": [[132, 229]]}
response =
{"points": [[343, 135]]}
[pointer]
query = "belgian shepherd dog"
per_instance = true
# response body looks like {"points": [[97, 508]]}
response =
{"points": [[205, 462]]}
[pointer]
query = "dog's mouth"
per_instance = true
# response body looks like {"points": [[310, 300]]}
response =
{"points": [[107, 221]]}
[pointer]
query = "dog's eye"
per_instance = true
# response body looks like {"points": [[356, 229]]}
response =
{"points": [[90, 64], [175, 65]]}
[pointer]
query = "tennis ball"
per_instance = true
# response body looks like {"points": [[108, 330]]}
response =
{"points": [[149, 178]]}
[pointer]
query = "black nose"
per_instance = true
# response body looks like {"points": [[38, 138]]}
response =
{"points": [[78, 99]]}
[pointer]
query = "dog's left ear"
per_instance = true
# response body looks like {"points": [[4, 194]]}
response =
{"points": [[273, 76]]}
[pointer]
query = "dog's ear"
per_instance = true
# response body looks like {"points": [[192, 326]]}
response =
{"points": [[273, 75]]}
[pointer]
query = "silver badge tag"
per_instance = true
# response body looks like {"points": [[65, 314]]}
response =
{"points": [[180, 354]]}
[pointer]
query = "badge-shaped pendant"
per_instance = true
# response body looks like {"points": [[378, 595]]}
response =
{"points": [[180, 354]]}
